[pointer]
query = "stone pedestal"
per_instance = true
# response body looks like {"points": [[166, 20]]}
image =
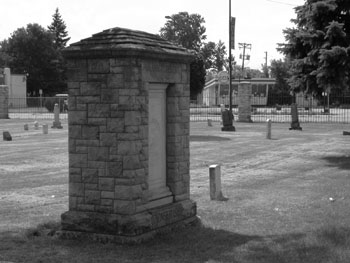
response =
{"points": [[56, 123], [244, 102], [128, 137], [4, 95], [295, 125]]}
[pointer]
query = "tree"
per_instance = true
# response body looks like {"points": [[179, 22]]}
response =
{"points": [[214, 55], [197, 76], [58, 29], [185, 30], [60, 35], [265, 70], [208, 53], [31, 51], [188, 31], [219, 56], [280, 71], [318, 46]]}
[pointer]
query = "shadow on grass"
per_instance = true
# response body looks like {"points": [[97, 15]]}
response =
{"points": [[207, 138], [342, 162], [190, 244]]}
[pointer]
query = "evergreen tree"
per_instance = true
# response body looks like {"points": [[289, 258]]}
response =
{"points": [[60, 36], [58, 29], [319, 46]]}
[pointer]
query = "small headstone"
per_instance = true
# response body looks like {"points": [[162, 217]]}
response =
{"points": [[26, 127], [209, 123], [45, 129], [222, 108], [6, 136], [268, 129], [215, 183], [56, 124], [346, 133], [36, 125], [227, 120]]}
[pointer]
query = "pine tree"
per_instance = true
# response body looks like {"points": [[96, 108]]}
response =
{"points": [[319, 46], [58, 29]]}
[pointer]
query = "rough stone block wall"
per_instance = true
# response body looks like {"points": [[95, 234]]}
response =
{"points": [[244, 102], [108, 133], [4, 94]]}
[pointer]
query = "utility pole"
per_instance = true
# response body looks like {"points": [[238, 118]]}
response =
{"points": [[267, 72], [230, 56], [244, 57]]}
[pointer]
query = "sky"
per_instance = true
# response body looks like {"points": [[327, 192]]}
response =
{"points": [[258, 22]]}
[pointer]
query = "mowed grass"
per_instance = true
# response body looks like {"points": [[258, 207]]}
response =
{"points": [[288, 198]]}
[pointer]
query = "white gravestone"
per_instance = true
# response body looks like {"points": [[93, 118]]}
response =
{"points": [[157, 144], [56, 124]]}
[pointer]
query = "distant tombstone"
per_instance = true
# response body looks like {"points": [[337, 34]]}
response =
{"points": [[295, 125], [227, 121], [6, 136], [346, 133], [215, 183], [222, 108], [56, 124], [45, 129], [26, 128], [210, 123], [36, 125]]}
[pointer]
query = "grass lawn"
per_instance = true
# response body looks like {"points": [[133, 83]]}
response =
{"points": [[288, 198]]}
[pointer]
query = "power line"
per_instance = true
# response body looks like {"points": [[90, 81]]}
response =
{"points": [[282, 3]]}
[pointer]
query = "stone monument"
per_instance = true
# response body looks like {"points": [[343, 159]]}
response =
{"points": [[128, 137], [295, 125], [244, 101], [227, 120], [56, 123], [4, 95]]}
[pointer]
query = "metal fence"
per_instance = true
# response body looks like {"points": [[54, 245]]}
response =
{"points": [[331, 109], [37, 107], [335, 109]]}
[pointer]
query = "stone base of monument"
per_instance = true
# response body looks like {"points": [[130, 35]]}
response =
{"points": [[346, 133], [228, 128], [56, 125], [127, 229], [295, 126]]}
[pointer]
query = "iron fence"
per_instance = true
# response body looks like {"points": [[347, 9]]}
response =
{"points": [[37, 107], [334, 108]]}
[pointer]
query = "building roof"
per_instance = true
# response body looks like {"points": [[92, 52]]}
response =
{"points": [[126, 42]]}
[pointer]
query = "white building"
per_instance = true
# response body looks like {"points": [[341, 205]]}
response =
{"points": [[17, 84]]}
